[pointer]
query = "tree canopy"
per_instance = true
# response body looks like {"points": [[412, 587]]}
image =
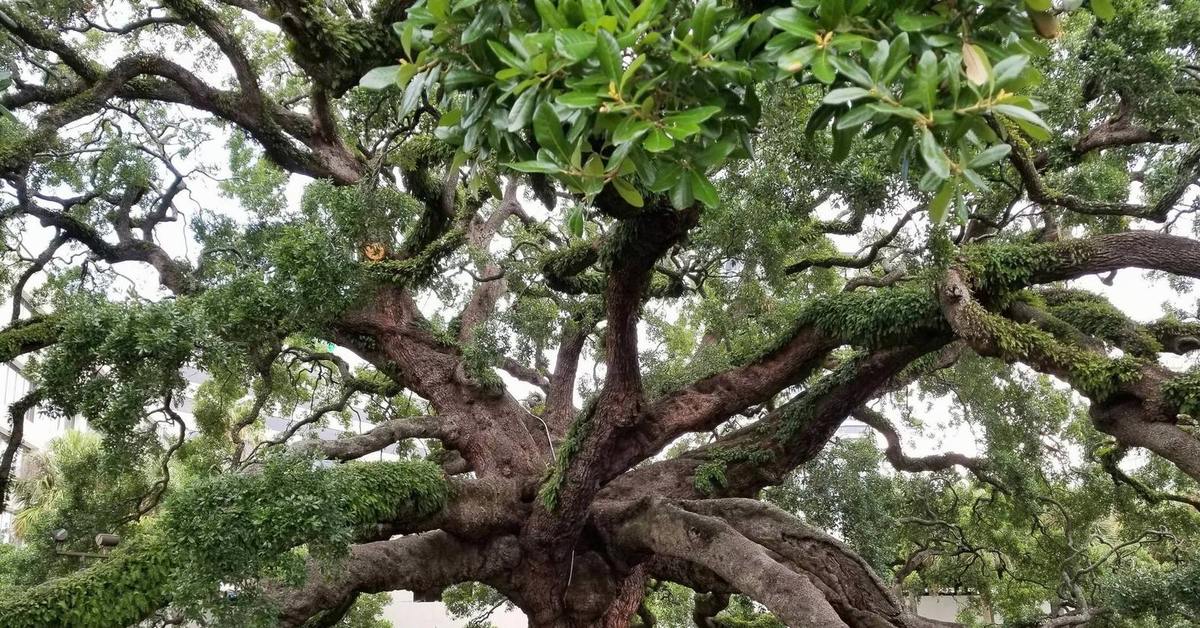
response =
{"points": [[605, 278]]}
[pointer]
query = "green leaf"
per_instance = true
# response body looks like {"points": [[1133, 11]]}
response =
{"points": [[412, 93], [695, 115], [505, 55], [643, 12], [1009, 68], [1035, 131], [714, 154], [822, 68], [990, 156], [797, 59], [703, 19], [731, 37], [574, 44], [1020, 113], [522, 110], [406, 37], [630, 129], [903, 112], [631, 70], [848, 68], [547, 129], [933, 155], [451, 118], [856, 116], [549, 14], [842, 141], [579, 100], [658, 141], [941, 201], [703, 190], [536, 165], [380, 78], [407, 71], [592, 10], [843, 95], [911, 22], [628, 192], [575, 221], [790, 20], [681, 193], [609, 55], [1103, 9]]}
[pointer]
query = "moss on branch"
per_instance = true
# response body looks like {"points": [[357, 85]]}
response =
{"points": [[230, 528]]}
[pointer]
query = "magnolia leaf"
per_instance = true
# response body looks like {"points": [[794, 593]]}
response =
{"points": [[574, 44], [798, 59], [844, 95], [1020, 113], [975, 64], [628, 192], [380, 78], [933, 155], [658, 141], [941, 201], [990, 156], [536, 165], [547, 129], [575, 221], [703, 190]]}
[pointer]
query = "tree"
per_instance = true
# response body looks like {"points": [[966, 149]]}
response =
{"points": [[539, 189]]}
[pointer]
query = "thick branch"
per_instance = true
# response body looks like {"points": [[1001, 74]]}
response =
{"points": [[421, 563]]}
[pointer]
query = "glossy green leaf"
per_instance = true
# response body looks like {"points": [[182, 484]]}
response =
{"points": [[629, 193], [658, 141], [547, 129], [609, 54], [536, 165], [703, 190], [630, 129], [844, 95], [941, 201], [522, 110], [575, 221], [933, 155], [990, 156], [380, 78], [574, 44]]}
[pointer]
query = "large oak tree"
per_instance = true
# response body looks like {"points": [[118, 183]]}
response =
{"points": [[707, 233]]}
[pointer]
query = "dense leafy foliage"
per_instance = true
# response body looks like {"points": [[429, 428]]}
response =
{"points": [[612, 270]]}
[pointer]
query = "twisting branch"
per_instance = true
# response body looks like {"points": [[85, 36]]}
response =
{"points": [[150, 501], [16, 415], [380, 437], [937, 462], [1026, 167], [861, 261], [1110, 460]]}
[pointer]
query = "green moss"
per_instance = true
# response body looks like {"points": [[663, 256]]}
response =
{"points": [[26, 335], [1183, 392], [877, 317], [1094, 315], [417, 270], [709, 476], [579, 431], [226, 529], [998, 270], [1093, 374]]}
